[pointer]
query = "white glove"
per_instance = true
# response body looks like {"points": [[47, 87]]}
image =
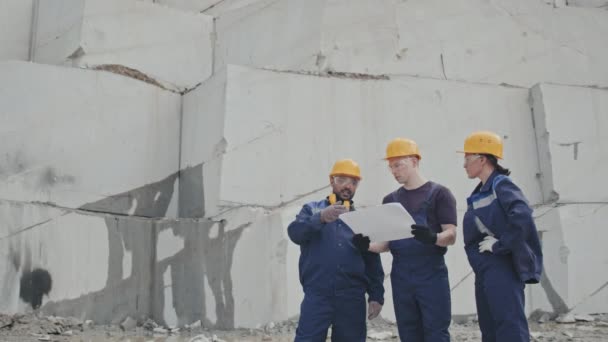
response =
{"points": [[487, 244], [373, 310]]}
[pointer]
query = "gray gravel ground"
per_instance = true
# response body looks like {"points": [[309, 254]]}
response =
{"points": [[26, 328]]}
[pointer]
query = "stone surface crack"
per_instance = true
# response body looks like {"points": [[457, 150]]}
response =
{"points": [[274, 130], [443, 67], [239, 205], [332, 74], [461, 280], [26, 228], [131, 73], [602, 287], [101, 213]]}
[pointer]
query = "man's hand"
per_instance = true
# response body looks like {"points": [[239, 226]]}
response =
{"points": [[361, 242], [424, 234], [331, 213], [487, 244], [373, 310]]}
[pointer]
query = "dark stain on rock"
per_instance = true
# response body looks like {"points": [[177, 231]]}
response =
{"points": [[152, 200], [141, 293], [203, 259], [191, 192], [557, 302], [120, 297], [49, 177], [34, 285], [14, 257], [574, 149]]}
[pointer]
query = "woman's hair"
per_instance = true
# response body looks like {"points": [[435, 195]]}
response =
{"points": [[494, 162]]}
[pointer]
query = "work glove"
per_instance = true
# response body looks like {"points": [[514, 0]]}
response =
{"points": [[424, 234], [361, 242], [331, 213], [373, 310], [487, 244]]}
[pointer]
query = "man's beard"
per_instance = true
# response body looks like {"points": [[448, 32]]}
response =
{"points": [[345, 195]]}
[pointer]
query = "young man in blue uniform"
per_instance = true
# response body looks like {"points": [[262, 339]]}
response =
{"points": [[336, 270], [501, 242], [419, 276]]}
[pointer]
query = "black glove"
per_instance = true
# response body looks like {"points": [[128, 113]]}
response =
{"points": [[424, 234], [361, 242]]}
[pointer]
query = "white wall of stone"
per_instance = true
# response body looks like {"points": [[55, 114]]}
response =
{"points": [[286, 88], [570, 125], [301, 124], [518, 42], [572, 148], [73, 136]]}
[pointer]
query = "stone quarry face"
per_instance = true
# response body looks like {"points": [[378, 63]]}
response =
{"points": [[152, 153]]}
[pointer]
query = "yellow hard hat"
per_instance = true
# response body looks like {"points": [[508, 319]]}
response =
{"points": [[401, 147], [346, 167], [483, 142]]}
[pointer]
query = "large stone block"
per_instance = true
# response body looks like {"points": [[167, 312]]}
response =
{"points": [[529, 41], [170, 46], [87, 138], [105, 268], [286, 130], [266, 138], [571, 124]]}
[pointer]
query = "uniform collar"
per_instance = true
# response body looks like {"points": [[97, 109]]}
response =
{"points": [[352, 203], [488, 185]]}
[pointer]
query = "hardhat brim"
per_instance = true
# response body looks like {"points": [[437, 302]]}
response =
{"points": [[345, 175], [404, 156], [479, 153]]}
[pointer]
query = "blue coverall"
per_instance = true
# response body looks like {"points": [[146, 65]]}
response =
{"points": [[499, 208], [335, 276], [421, 289]]}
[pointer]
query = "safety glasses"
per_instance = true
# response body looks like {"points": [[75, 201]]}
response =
{"points": [[398, 164], [342, 181], [470, 158]]}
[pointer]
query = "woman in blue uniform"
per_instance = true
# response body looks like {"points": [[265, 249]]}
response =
{"points": [[501, 242]]}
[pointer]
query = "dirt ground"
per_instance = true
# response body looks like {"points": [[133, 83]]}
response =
{"points": [[25, 328]]}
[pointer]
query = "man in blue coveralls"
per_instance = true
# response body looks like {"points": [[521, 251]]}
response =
{"points": [[336, 270], [419, 276]]}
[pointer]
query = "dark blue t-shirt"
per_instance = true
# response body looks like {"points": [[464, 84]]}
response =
{"points": [[443, 204]]}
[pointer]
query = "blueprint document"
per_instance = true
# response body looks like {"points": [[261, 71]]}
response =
{"points": [[381, 223]]}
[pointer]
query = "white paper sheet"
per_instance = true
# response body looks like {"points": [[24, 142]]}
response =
{"points": [[385, 222]]}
